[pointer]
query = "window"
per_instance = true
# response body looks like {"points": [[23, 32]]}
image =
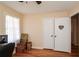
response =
{"points": [[12, 28]]}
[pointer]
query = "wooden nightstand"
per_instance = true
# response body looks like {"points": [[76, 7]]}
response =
{"points": [[29, 45]]}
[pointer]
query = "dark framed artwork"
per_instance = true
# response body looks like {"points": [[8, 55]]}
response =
{"points": [[3, 38], [61, 27]]}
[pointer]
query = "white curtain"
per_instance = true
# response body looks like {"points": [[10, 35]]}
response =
{"points": [[12, 28]]}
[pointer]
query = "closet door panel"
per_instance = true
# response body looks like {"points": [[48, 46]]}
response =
{"points": [[63, 34], [48, 29]]}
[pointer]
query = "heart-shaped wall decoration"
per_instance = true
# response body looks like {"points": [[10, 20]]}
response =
{"points": [[61, 27]]}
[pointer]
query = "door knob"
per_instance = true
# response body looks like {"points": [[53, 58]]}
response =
{"points": [[51, 35], [55, 36]]}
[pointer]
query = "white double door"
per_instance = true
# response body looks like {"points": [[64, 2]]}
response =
{"points": [[57, 34]]}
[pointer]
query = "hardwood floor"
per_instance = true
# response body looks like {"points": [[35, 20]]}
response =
{"points": [[42, 53], [75, 51]]}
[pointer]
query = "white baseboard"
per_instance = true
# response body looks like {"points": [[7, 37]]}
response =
{"points": [[37, 47]]}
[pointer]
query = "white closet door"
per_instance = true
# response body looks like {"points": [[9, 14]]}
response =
{"points": [[63, 36], [48, 29]]}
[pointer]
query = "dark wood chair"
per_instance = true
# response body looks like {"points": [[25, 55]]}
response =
{"points": [[23, 43]]}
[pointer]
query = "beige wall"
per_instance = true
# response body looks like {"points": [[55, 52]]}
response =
{"points": [[74, 10], [4, 10], [33, 25], [2, 23]]}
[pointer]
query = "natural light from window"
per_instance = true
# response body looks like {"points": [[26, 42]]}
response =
{"points": [[12, 28]]}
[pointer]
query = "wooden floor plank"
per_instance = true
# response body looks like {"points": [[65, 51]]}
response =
{"points": [[42, 53]]}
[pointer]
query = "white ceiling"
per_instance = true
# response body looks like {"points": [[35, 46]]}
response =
{"points": [[46, 6]]}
